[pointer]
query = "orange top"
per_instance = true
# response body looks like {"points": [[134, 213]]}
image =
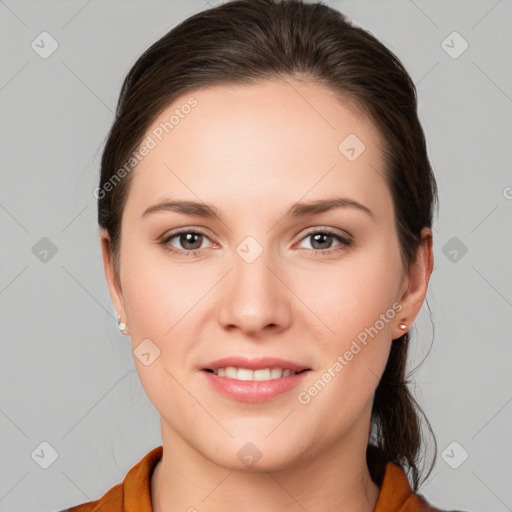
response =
{"points": [[134, 493]]}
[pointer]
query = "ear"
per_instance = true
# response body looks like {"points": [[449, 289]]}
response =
{"points": [[416, 284], [113, 281]]}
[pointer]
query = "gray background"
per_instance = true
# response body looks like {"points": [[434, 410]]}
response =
{"points": [[67, 375]]}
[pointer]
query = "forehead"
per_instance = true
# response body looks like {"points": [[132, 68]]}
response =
{"points": [[264, 143]]}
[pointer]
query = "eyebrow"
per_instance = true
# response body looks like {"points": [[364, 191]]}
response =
{"points": [[303, 209]]}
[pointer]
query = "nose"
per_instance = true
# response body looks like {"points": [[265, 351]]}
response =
{"points": [[254, 296]]}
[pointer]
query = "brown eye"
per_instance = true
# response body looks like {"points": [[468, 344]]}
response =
{"points": [[322, 241], [189, 242]]}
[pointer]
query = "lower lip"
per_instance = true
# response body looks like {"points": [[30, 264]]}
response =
{"points": [[254, 390]]}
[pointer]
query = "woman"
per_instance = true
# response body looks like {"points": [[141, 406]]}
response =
{"points": [[265, 205]]}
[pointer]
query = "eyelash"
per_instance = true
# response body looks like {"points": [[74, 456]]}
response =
{"points": [[344, 242]]}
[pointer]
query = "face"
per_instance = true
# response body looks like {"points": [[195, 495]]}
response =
{"points": [[323, 290]]}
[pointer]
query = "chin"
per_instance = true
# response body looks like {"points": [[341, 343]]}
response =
{"points": [[267, 463], [259, 455]]}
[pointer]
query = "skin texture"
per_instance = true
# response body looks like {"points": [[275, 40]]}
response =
{"points": [[252, 151]]}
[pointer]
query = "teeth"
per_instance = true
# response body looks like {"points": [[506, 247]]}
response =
{"points": [[275, 373], [245, 374]]}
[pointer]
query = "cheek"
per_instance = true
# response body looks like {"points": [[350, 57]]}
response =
{"points": [[350, 296], [157, 297], [353, 301], [355, 306], [157, 294]]}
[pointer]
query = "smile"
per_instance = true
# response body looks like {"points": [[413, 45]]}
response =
{"points": [[232, 372]]}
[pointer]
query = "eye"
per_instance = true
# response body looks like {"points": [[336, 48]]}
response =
{"points": [[325, 237], [191, 240]]}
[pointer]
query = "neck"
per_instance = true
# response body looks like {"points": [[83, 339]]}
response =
{"points": [[336, 479]]}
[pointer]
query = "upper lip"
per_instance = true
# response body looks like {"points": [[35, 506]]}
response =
{"points": [[255, 363]]}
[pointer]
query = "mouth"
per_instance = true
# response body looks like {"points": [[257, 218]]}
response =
{"points": [[249, 385], [248, 374], [254, 379]]}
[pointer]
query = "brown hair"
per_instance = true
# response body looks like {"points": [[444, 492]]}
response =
{"points": [[245, 41]]}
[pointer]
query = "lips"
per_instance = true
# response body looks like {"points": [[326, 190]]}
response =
{"points": [[253, 390], [245, 379]]}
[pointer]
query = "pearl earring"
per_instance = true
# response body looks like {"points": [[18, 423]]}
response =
{"points": [[402, 326], [121, 326]]}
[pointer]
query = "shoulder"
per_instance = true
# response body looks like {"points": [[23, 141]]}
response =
{"points": [[84, 507], [134, 493], [111, 501], [418, 503], [396, 494]]}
